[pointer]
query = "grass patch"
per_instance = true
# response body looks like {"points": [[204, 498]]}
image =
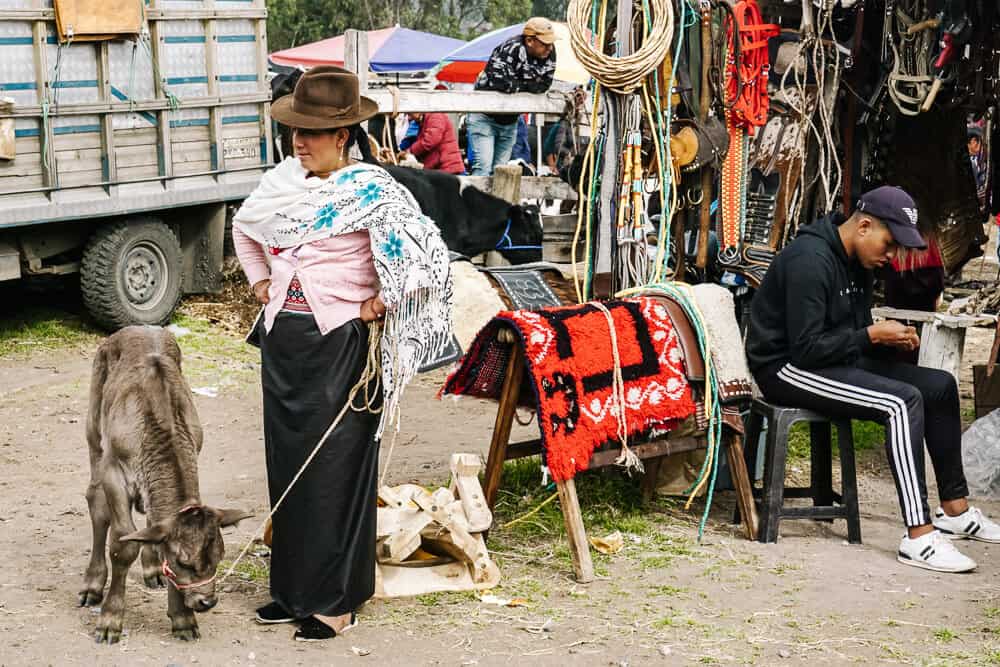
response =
{"points": [[213, 357], [250, 568], [867, 435], [944, 635], [42, 328]]}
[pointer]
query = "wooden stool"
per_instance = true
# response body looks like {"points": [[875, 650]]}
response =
{"points": [[827, 504]]}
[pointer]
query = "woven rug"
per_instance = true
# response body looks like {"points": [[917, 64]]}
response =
{"points": [[571, 368]]}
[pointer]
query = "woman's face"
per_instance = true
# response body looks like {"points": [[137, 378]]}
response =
{"points": [[321, 151]]}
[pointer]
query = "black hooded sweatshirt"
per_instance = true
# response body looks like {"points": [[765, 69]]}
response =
{"points": [[813, 306]]}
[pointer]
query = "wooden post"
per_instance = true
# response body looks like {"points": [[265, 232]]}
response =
{"points": [[356, 56], [942, 347], [506, 186], [579, 547]]}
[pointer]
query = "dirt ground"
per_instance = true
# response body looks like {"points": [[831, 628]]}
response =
{"points": [[664, 599]]}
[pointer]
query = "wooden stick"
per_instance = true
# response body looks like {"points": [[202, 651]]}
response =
{"points": [[509, 394], [741, 483], [705, 222], [579, 548]]}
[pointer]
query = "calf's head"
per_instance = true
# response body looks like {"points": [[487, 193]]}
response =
{"points": [[523, 242], [190, 546]]}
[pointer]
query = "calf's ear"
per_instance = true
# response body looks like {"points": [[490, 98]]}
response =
{"points": [[232, 517], [154, 534]]}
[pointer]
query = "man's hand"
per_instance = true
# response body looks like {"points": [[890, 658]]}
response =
{"points": [[260, 291], [373, 309], [894, 334]]}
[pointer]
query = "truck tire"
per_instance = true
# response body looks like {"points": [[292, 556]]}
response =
{"points": [[131, 273]]}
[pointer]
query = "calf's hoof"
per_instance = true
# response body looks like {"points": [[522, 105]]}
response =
{"points": [[108, 634], [186, 634], [90, 598], [154, 580]]}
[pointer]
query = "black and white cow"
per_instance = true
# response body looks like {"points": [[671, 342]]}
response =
{"points": [[472, 221]]}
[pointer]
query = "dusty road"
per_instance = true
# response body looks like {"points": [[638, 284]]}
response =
{"points": [[664, 599]]}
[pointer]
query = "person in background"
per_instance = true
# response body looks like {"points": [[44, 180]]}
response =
{"points": [[914, 282], [561, 145], [978, 159], [525, 63], [436, 145], [522, 146]]}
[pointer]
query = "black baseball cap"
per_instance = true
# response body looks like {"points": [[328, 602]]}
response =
{"points": [[897, 210]]}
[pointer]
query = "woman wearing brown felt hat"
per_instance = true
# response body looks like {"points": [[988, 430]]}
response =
{"points": [[342, 260]]}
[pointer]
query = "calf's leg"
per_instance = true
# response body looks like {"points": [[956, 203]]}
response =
{"points": [[183, 624], [96, 574], [123, 554], [152, 569]]}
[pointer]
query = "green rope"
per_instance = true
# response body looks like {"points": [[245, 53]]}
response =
{"points": [[714, 406], [172, 99]]}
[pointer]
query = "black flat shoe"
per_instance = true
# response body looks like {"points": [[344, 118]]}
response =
{"points": [[272, 614], [315, 630]]}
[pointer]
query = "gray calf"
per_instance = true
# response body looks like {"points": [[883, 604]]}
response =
{"points": [[144, 438]]}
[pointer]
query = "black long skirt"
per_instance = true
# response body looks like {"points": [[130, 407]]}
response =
{"points": [[323, 535]]}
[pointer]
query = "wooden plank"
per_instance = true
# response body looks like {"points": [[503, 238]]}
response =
{"points": [[191, 151], [532, 187], [260, 30], [23, 166], [76, 141], [190, 133], [184, 168], [107, 120], [356, 56], [39, 42], [218, 157], [507, 183], [942, 319], [647, 450], [93, 108], [579, 547], [465, 484], [403, 536], [466, 101], [942, 347], [13, 184], [145, 137], [73, 178]]}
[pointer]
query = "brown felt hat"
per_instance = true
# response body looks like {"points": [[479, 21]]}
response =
{"points": [[325, 98]]}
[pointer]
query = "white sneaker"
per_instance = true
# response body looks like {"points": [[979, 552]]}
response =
{"points": [[933, 551], [970, 524]]}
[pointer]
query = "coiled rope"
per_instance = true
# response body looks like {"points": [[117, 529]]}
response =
{"points": [[620, 74]]}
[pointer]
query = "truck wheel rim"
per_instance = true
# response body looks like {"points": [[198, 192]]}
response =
{"points": [[144, 275]]}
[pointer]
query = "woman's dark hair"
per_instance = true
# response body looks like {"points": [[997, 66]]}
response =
{"points": [[357, 135]]}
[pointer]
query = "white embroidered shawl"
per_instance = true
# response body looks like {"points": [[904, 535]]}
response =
{"points": [[289, 208]]}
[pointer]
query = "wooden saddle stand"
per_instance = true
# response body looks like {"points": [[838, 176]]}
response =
{"points": [[652, 454]]}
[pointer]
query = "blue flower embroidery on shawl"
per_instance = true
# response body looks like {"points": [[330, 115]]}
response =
{"points": [[393, 246], [324, 217], [348, 176], [369, 193]]}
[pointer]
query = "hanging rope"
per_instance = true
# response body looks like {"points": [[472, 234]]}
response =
{"points": [[622, 74]]}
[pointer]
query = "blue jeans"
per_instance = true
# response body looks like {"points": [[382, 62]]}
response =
{"points": [[492, 143]]}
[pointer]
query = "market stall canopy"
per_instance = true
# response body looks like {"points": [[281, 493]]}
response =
{"points": [[465, 63], [389, 50]]}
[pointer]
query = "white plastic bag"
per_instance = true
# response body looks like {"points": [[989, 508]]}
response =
{"points": [[981, 456]]}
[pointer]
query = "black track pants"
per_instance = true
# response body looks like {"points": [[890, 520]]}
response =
{"points": [[913, 403]]}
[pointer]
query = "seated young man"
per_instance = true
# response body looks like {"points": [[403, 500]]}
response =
{"points": [[811, 344]]}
